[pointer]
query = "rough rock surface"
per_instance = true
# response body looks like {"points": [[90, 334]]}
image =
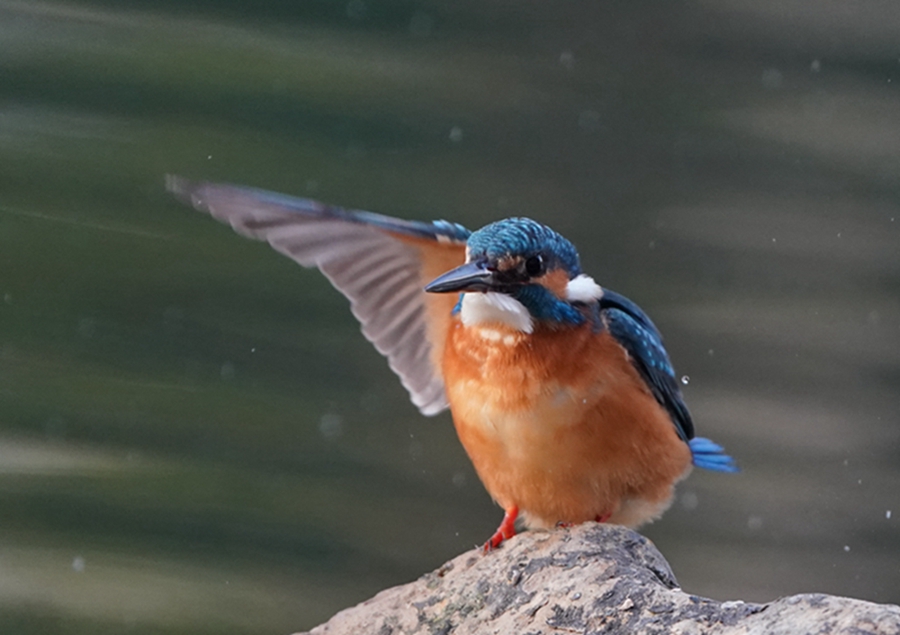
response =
{"points": [[591, 579]]}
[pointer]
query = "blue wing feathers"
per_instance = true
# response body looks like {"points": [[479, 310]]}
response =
{"points": [[634, 331], [440, 231], [711, 456], [612, 300]]}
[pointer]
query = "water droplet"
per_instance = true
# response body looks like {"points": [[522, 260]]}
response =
{"points": [[458, 479], [887, 514], [685, 380], [816, 66], [253, 350], [331, 425], [690, 501], [754, 523], [576, 596], [846, 548], [567, 60], [456, 134], [710, 352], [78, 564]]}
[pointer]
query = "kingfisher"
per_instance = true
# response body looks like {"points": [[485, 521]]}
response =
{"points": [[561, 390]]}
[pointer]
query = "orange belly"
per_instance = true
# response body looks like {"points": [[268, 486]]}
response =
{"points": [[559, 424]]}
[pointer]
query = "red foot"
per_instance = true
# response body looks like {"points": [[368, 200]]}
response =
{"points": [[505, 531]]}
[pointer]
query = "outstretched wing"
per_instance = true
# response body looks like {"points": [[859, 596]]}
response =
{"points": [[637, 334], [380, 263]]}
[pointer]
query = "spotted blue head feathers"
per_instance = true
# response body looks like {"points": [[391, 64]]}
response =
{"points": [[524, 238]]}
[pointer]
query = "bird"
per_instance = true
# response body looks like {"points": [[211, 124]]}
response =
{"points": [[560, 390]]}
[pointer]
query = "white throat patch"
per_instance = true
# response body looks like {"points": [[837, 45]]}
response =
{"points": [[582, 288], [484, 308]]}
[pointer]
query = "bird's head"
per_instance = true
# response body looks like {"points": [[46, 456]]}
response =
{"points": [[526, 261]]}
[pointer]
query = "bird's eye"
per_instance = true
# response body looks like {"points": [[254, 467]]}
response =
{"points": [[534, 266]]}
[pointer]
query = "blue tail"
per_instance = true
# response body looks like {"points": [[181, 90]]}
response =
{"points": [[711, 456]]}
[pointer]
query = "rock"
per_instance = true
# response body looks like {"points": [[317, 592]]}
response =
{"points": [[590, 579]]}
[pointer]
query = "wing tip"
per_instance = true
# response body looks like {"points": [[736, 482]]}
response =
{"points": [[431, 400], [179, 186], [432, 409], [184, 190]]}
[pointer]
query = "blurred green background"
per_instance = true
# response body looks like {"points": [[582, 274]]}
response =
{"points": [[194, 436]]}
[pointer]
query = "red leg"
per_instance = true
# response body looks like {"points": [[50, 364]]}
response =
{"points": [[505, 531], [602, 518]]}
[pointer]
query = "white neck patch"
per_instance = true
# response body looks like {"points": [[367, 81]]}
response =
{"points": [[484, 308], [582, 288]]}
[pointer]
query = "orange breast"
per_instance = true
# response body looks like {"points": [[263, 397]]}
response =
{"points": [[560, 424]]}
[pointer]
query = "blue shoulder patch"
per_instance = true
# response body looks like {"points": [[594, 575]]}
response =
{"points": [[634, 331], [613, 300]]}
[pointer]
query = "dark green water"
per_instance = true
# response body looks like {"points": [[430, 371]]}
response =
{"points": [[194, 436]]}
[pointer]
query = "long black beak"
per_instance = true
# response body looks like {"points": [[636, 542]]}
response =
{"points": [[472, 276]]}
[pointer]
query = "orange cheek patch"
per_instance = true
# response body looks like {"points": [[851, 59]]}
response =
{"points": [[557, 281]]}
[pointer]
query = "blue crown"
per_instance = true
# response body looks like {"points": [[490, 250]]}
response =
{"points": [[524, 237]]}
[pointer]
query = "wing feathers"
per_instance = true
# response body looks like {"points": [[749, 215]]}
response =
{"points": [[379, 263], [378, 328], [637, 335]]}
